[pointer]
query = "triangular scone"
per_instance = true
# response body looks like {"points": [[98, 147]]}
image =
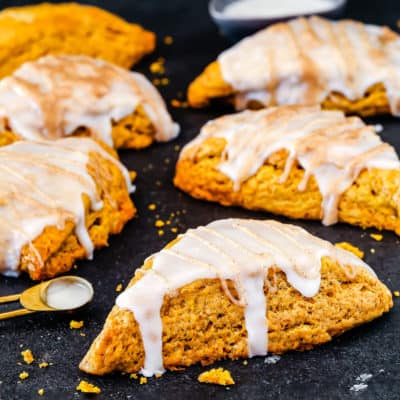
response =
{"points": [[30, 32], [59, 200], [231, 289], [345, 65], [96, 98], [297, 161]]}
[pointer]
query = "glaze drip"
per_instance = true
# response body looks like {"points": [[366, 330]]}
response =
{"points": [[55, 95], [327, 145], [302, 61], [238, 250], [41, 184]]}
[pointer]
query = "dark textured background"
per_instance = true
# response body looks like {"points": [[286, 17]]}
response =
{"points": [[327, 372]]}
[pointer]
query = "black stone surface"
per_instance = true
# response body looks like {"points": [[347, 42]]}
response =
{"points": [[327, 372]]}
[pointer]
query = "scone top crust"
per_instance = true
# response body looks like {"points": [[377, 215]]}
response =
{"points": [[55, 95], [42, 184], [326, 144], [69, 28], [304, 60], [238, 250]]}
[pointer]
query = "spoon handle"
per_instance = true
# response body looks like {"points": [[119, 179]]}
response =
{"points": [[11, 297], [15, 313]]}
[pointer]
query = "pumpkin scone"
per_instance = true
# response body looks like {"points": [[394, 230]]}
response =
{"points": [[300, 162], [235, 288], [59, 200], [345, 65], [30, 32], [64, 95]]}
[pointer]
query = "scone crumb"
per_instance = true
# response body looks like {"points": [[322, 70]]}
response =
{"points": [[75, 324], [43, 365], [349, 247], [119, 287], [168, 40], [159, 223], [86, 387], [132, 175], [372, 251], [157, 67], [27, 356], [158, 376], [23, 375], [152, 207], [133, 376], [396, 293], [82, 334], [217, 376], [177, 148], [40, 392], [245, 362], [376, 236], [179, 104], [143, 380]]}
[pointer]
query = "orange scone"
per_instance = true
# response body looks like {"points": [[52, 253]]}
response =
{"points": [[59, 200], [235, 288], [300, 162], [30, 32], [64, 95], [345, 65]]}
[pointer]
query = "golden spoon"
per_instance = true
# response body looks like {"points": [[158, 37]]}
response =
{"points": [[59, 294]]}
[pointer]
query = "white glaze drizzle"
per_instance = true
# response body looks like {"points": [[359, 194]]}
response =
{"points": [[55, 95], [232, 249], [41, 184], [302, 61], [326, 144]]}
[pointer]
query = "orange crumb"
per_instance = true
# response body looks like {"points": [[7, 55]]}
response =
{"points": [[396, 293], [43, 365], [23, 375], [40, 392], [133, 376], [156, 82], [159, 223], [86, 387], [164, 81], [143, 380], [174, 230], [349, 247], [157, 67], [75, 324], [152, 207], [119, 287], [168, 40], [167, 222], [179, 104], [376, 236], [132, 175], [27, 356], [217, 376], [160, 232], [158, 376]]}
